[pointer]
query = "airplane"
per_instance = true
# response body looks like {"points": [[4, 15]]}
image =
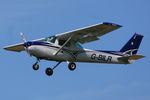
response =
{"points": [[66, 47]]}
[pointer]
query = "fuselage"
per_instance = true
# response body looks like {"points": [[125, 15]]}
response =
{"points": [[44, 50]]}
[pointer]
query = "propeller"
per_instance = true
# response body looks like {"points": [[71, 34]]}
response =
{"points": [[25, 41], [23, 37]]}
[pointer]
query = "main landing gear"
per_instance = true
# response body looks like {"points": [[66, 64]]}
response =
{"points": [[49, 71], [72, 66]]}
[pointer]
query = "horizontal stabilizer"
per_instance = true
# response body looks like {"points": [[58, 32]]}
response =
{"points": [[133, 57]]}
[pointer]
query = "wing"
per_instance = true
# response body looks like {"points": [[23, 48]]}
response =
{"points": [[19, 47], [16, 47], [82, 35], [90, 33]]}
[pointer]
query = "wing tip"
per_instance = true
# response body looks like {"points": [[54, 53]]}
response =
{"points": [[16, 47], [6, 48], [139, 34], [113, 24]]}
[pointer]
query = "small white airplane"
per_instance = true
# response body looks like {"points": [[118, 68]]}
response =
{"points": [[66, 47]]}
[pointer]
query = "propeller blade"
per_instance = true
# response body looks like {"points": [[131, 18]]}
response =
{"points": [[23, 38]]}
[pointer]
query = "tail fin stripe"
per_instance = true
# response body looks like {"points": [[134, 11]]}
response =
{"points": [[131, 47]]}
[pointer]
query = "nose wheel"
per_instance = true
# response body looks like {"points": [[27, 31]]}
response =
{"points": [[35, 66]]}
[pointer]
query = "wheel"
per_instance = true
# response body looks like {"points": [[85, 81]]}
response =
{"points": [[49, 71], [72, 66], [35, 66]]}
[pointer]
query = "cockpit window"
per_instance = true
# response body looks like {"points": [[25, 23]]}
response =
{"points": [[61, 42], [78, 45], [51, 39]]}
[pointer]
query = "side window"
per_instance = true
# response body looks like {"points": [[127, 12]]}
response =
{"points": [[78, 45], [61, 42]]}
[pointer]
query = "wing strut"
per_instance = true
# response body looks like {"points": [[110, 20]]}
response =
{"points": [[63, 45]]}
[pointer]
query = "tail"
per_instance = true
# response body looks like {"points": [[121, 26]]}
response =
{"points": [[131, 47]]}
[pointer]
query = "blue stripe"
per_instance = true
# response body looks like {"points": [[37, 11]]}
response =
{"points": [[30, 43], [113, 52]]}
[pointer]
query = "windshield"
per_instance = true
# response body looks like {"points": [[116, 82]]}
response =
{"points": [[50, 39]]}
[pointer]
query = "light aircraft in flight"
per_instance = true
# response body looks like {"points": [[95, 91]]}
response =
{"points": [[66, 47]]}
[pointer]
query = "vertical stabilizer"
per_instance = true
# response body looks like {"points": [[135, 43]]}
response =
{"points": [[131, 47]]}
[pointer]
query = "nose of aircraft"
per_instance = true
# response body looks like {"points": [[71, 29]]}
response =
{"points": [[27, 44]]}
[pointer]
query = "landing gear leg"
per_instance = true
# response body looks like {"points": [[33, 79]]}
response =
{"points": [[36, 65], [49, 71]]}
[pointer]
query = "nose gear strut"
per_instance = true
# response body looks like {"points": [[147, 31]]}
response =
{"points": [[36, 65]]}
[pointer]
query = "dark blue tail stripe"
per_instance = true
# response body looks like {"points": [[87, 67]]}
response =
{"points": [[131, 47]]}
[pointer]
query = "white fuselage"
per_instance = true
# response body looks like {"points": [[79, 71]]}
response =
{"points": [[77, 55]]}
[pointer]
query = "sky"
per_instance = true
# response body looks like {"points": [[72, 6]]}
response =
{"points": [[90, 81]]}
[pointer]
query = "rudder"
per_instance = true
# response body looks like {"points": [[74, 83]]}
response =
{"points": [[131, 47]]}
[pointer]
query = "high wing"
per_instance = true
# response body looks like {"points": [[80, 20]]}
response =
{"points": [[82, 35], [90, 33], [19, 47], [16, 47]]}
